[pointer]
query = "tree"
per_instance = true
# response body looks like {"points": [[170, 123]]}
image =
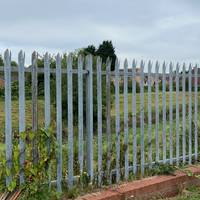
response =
{"points": [[13, 63], [1, 60], [91, 49], [105, 50]]}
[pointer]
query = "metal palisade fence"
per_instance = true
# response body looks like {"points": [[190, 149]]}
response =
{"points": [[150, 115]]}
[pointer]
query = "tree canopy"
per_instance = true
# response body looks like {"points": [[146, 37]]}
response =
{"points": [[105, 50], [1, 61], [13, 63]]}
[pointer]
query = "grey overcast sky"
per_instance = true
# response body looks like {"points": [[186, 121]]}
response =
{"points": [[147, 29]]}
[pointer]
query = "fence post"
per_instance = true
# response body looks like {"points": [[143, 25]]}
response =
{"points": [[34, 104], [108, 117], [149, 116], [183, 114], [59, 121], [134, 117], [126, 119], [117, 120], [164, 111], [196, 112], [80, 112], [89, 115], [157, 111], [70, 120], [190, 114], [142, 116], [21, 60], [99, 118], [8, 118], [171, 113], [47, 104], [177, 114]]}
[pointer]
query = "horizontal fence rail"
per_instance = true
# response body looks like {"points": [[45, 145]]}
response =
{"points": [[85, 72], [108, 124]]}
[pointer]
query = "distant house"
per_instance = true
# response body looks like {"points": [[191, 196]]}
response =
{"points": [[138, 77], [14, 77], [1, 83], [193, 78]]}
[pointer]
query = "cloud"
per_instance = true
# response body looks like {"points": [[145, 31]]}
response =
{"points": [[156, 29]]}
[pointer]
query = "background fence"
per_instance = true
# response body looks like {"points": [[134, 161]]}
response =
{"points": [[147, 117]]}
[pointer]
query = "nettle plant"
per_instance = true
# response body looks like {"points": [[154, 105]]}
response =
{"points": [[35, 174]]}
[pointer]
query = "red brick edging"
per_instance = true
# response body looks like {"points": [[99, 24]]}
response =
{"points": [[148, 188]]}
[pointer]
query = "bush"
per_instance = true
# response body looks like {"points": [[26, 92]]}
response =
{"points": [[35, 174]]}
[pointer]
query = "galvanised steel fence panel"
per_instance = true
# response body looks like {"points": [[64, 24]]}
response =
{"points": [[145, 114]]}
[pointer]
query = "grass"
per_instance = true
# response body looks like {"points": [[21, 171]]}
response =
{"points": [[15, 112], [15, 115], [192, 193], [153, 122], [1, 147], [28, 113], [15, 122], [153, 102]]}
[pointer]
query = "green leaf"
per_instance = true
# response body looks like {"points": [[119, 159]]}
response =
{"points": [[8, 172], [16, 155], [189, 174], [31, 135], [4, 162], [23, 135]]}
